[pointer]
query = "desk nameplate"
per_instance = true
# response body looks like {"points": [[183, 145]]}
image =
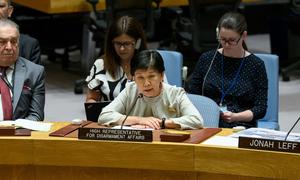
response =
{"points": [[12, 131], [7, 131], [115, 134], [269, 144]]}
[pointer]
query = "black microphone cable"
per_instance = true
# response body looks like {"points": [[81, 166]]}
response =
{"points": [[140, 95]]}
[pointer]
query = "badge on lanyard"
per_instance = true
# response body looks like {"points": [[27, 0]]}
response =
{"points": [[223, 108]]}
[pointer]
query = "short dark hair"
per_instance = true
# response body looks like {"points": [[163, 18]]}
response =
{"points": [[123, 25], [147, 59]]}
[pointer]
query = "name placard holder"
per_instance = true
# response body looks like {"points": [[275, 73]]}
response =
{"points": [[115, 134], [269, 144], [7, 131]]}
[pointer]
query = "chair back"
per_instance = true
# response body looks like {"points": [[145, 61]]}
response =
{"points": [[270, 121], [208, 109], [173, 64], [205, 15]]}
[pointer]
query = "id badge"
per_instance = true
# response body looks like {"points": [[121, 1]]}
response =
{"points": [[223, 108]]}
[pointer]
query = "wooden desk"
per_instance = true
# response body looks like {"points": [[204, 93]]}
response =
{"points": [[43, 157]]}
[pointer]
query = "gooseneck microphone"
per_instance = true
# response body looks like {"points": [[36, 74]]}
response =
{"points": [[210, 65], [291, 129], [140, 95]]}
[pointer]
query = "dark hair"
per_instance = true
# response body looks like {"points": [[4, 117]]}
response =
{"points": [[123, 25], [235, 22], [147, 59]]}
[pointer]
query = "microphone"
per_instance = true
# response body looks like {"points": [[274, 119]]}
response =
{"points": [[184, 74], [119, 134], [291, 129], [140, 95], [210, 65]]}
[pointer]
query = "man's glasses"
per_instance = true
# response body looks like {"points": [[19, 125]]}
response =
{"points": [[125, 44], [232, 42]]}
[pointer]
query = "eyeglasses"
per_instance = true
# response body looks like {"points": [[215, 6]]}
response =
{"points": [[231, 42], [142, 79], [125, 44], [13, 42]]}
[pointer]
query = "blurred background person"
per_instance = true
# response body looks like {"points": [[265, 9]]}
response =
{"points": [[110, 73], [29, 47]]}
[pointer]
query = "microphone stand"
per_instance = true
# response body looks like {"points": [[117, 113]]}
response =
{"points": [[123, 122]]}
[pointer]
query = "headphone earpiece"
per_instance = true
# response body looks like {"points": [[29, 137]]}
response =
{"points": [[138, 43], [217, 32]]}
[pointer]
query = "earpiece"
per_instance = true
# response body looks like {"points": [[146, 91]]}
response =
{"points": [[138, 43], [217, 32]]}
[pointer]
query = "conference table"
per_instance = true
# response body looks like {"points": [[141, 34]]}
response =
{"points": [[40, 156]]}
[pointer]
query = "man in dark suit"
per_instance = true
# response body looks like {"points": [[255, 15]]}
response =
{"points": [[29, 46], [24, 80]]}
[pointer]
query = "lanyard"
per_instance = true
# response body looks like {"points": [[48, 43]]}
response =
{"points": [[235, 80]]}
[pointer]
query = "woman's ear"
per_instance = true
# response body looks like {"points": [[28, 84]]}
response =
{"points": [[245, 33], [162, 76], [10, 10], [217, 32]]}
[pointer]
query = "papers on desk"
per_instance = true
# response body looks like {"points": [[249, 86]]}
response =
{"points": [[267, 134], [130, 127], [28, 124], [222, 141], [232, 140]]}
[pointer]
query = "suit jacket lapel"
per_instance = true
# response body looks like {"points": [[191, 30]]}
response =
{"points": [[19, 78]]}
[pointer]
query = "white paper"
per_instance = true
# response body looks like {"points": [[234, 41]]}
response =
{"points": [[7, 123], [267, 134], [221, 141], [28, 124], [129, 127]]}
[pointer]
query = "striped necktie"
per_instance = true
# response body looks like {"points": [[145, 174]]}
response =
{"points": [[5, 96]]}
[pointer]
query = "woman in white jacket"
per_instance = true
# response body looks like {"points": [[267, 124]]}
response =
{"points": [[149, 102]]}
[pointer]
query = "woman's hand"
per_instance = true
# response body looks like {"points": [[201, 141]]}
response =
{"points": [[139, 126], [228, 116], [245, 116], [93, 96], [151, 122]]}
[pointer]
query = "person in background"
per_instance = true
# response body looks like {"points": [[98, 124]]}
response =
{"points": [[109, 74], [232, 76], [29, 47], [22, 83], [149, 102]]}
